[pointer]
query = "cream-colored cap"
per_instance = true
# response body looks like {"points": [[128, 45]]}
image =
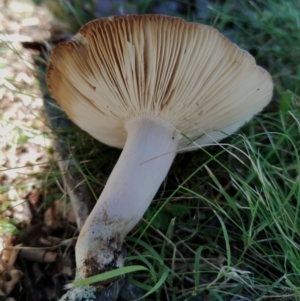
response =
{"points": [[187, 74]]}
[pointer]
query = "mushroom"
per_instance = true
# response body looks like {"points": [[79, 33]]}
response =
{"points": [[153, 85]]}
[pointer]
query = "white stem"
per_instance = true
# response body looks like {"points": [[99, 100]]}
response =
{"points": [[144, 163]]}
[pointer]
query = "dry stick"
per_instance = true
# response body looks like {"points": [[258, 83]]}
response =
{"points": [[38, 255]]}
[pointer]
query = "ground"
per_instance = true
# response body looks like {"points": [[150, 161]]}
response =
{"points": [[224, 225]]}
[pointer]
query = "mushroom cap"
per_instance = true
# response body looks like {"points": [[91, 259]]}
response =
{"points": [[186, 74]]}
